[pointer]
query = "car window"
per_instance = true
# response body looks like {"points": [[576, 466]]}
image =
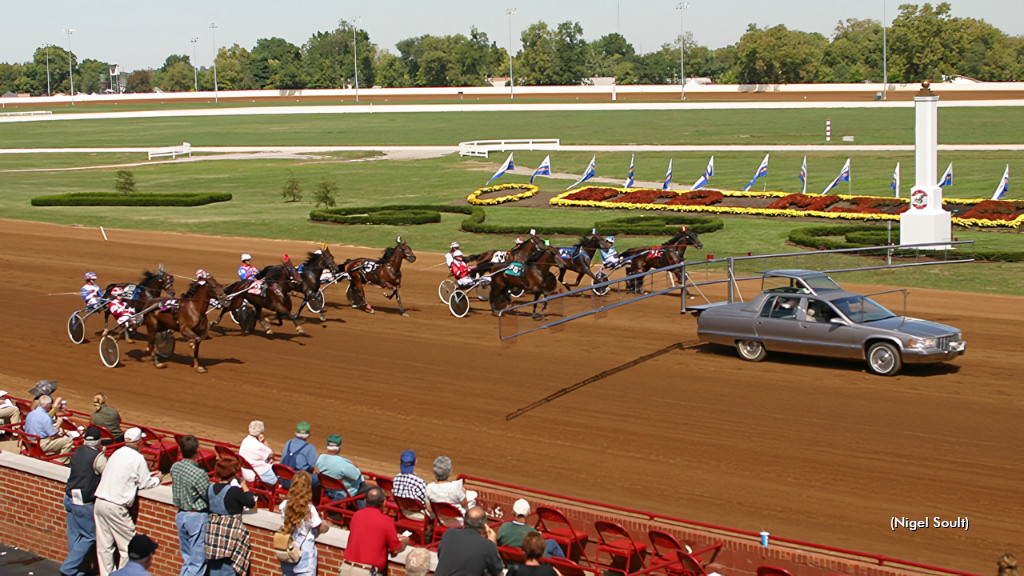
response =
{"points": [[818, 311], [781, 307], [860, 309]]}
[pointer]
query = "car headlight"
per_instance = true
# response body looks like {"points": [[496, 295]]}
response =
{"points": [[922, 342]]}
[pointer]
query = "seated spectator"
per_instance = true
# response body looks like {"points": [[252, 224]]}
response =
{"points": [[533, 547], [9, 412], [47, 387], [255, 451], [452, 492], [106, 416], [299, 455], [511, 533], [340, 468], [51, 439], [417, 562], [469, 551], [408, 485]]}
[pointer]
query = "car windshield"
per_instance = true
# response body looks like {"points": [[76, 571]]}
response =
{"points": [[861, 309], [821, 283]]}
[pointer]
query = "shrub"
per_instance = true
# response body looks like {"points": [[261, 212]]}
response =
{"points": [[125, 183], [325, 190], [113, 199], [292, 190]]}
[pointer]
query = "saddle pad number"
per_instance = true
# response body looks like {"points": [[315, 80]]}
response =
{"points": [[499, 257], [256, 288], [370, 265], [655, 252], [515, 269], [169, 305]]}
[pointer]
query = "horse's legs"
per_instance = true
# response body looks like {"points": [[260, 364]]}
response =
{"points": [[151, 330], [401, 308], [194, 340]]}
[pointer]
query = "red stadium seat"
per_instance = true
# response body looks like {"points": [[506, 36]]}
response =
{"points": [[160, 451], [446, 516], [621, 553], [553, 524], [567, 567], [205, 457], [345, 506], [772, 571], [30, 447], [421, 529], [664, 547]]}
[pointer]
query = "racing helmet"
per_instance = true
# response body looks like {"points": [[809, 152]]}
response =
{"points": [[90, 275], [533, 231], [682, 228], [610, 239], [519, 241], [202, 274], [457, 254], [116, 291], [246, 256], [454, 245]]}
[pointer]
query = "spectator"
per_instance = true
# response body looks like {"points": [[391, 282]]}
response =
{"points": [[189, 487], [471, 550], [1007, 564], [126, 473], [533, 547], [9, 412], [511, 533], [304, 523], [341, 468], [258, 454], [140, 555], [87, 464], [408, 485], [417, 562], [299, 454], [106, 416], [227, 545], [372, 538], [444, 491], [51, 439], [47, 387]]}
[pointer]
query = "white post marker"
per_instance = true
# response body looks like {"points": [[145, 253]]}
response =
{"points": [[828, 130], [104, 232], [926, 220]]}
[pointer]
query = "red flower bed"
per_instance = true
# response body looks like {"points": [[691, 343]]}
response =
{"points": [[697, 198], [644, 196], [593, 194], [871, 205], [994, 210], [803, 202]]}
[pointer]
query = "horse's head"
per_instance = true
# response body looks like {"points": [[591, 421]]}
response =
{"points": [[327, 259], [166, 281], [406, 251], [597, 241], [218, 290], [689, 238], [547, 254]]}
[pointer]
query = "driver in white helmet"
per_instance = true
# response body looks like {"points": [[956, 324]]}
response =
{"points": [[449, 257], [611, 258], [91, 292], [463, 272], [247, 270], [120, 309]]}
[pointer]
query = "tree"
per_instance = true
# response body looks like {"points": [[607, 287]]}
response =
{"points": [[175, 59], [778, 55], [537, 63], [927, 43], [139, 81], [325, 190], [275, 63], [326, 58], [125, 183], [231, 66], [178, 77], [292, 190], [392, 71]]}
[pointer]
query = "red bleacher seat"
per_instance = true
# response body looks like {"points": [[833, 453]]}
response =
{"points": [[446, 516], [617, 550], [567, 567], [346, 506], [422, 530], [30, 447], [159, 450], [553, 524], [664, 546], [205, 457], [772, 571]]}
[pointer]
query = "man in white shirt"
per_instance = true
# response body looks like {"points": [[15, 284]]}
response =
{"points": [[255, 451], [125, 474]]}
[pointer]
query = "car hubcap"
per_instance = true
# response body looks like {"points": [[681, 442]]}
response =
{"points": [[883, 360]]}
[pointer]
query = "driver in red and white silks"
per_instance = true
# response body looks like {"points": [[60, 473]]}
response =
{"points": [[460, 269], [120, 309], [247, 270], [91, 292]]}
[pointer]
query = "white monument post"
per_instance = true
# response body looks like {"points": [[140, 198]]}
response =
{"points": [[926, 220]]}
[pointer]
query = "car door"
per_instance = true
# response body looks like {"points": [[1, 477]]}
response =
{"points": [[822, 337], [777, 325]]}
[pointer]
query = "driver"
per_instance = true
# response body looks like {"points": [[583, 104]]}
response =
{"points": [[121, 311], [462, 271], [449, 257], [247, 270], [611, 258], [91, 292]]}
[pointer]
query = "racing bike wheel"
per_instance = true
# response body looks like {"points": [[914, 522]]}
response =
{"points": [[599, 278], [110, 354], [459, 304], [76, 329], [315, 303], [164, 343], [445, 289]]}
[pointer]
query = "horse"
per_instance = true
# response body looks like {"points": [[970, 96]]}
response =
{"points": [[151, 286], [534, 277], [309, 276], [386, 273], [262, 294], [492, 260], [642, 259], [186, 314], [577, 258]]}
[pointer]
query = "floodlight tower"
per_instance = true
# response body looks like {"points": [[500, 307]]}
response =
{"points": [[195, 70], [355, 58], [510, 12], [682, 6], [213, 33], [71, 73]]}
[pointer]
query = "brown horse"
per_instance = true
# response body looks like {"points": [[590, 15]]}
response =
{"points": [[260, 294], [386, 273], [309, 276], [495, 259], [150, 286], [642, 259], [577, 258], [533, 276], [187, 315]]}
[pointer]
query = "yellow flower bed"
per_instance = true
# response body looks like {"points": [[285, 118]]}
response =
{"points": [[528, 190]]}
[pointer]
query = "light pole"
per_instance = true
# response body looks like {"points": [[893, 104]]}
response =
{"points": [[195, 71], [355, 57], [510, 12], [213, 33], [71, 73], [47, 69], [682, 71], [885, 55]]}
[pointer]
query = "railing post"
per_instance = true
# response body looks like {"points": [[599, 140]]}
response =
{"points": [[732, 279]]}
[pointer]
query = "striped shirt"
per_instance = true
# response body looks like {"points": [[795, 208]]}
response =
{"points": [[188, 486]]}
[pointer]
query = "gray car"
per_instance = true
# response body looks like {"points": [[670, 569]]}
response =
{"points": [[806, 312]]}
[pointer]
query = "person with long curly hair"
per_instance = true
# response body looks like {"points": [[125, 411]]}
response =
{"points": [[304, 523]]}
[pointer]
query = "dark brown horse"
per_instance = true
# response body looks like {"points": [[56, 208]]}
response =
{"points": [[260, 294], [386, 273], [309, 276], [642, 259], [577, 258], [533, 276], [186, 315], [150, 286]]}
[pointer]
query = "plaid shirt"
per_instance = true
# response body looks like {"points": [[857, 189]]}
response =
{"points": [[188, 486], [410, 486], [227, 537]]}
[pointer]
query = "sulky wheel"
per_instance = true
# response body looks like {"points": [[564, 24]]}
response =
{"points": [[598, 279], [76, 328], [315, 303], [445, 289], [164, 343], [459, 304], [109, 352]]}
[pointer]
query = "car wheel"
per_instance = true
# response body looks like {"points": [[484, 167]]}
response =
{"points": [[751, 350], [884, 359]]}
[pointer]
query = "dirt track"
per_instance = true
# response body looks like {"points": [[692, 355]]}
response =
{"points": [[807, 449]]}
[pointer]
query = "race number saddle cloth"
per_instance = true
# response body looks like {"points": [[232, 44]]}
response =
{"points": [[655, 252], [515, 269]]}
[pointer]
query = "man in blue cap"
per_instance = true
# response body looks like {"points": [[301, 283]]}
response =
{"points": [[408, 485], [140, 557]]}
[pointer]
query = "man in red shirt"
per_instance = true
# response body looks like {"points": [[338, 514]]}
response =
{"points": [[371, 539]]}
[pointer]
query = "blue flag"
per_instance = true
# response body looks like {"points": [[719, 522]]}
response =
{"points": [[508, 165], [947, 177], [895, 185], [629, 178], [762, 170], [706, 177], [844, 176], [668, 176], [543, 170], [803, 175], [588, 174], [1004, 185]]}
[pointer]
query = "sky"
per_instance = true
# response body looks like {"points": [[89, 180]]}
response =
{"points": [[137, 34]]}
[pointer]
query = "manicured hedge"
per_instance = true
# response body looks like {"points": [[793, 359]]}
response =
{"points": [[837, 237], [117, 199]]}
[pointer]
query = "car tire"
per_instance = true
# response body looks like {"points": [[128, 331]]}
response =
{"points": [[884, 359], [751, 350]]}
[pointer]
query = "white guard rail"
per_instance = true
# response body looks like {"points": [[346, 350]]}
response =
{"points": [[483, 147]]}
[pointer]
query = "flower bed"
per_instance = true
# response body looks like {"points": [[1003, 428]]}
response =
{"points": [[697, 198], [528, 190], [645, 196]]}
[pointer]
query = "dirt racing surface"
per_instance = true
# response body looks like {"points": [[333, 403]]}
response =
{"points": [[808, 449]]}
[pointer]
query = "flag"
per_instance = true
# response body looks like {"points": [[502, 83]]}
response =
{"points": [[543, 170], [803, 175], [844, 176], [706, 177], [629, 179], [668, 176], [588, 174], [762, 170], [1004, 185], [508, 165], [895, 185], [947, 177]]}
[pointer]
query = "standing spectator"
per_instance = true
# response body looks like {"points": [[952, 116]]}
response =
{"points": [[87, 464], [255, 451], [140, 556], [189, 487], [126, 473], [471, 550], [417, 562], [227, 539], [511, 533], [340, 468], [303, 522], [444, 491], [372, 538], [51, 440], [299, 454], [106, 416], [408, 485], [533, 547], [9, 412]]}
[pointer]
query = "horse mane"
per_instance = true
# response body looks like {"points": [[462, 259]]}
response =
{"points": [[264, 271], [192, 290], [148, 276], [388, 253], [310, 258]]}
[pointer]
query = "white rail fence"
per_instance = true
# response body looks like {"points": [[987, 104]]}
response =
{"points": [[482, 148]]}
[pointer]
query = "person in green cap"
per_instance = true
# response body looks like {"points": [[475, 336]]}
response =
{"points": [[299, 454], [340, 468]]}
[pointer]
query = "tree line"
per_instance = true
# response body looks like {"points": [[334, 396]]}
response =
{"points": [[924, 42]]}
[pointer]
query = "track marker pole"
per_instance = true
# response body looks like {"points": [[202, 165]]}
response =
{"points": [[104, 232]]}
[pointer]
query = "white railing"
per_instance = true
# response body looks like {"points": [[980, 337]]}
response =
{"points": [[32, 113], [483, 147], [172, 151]]}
